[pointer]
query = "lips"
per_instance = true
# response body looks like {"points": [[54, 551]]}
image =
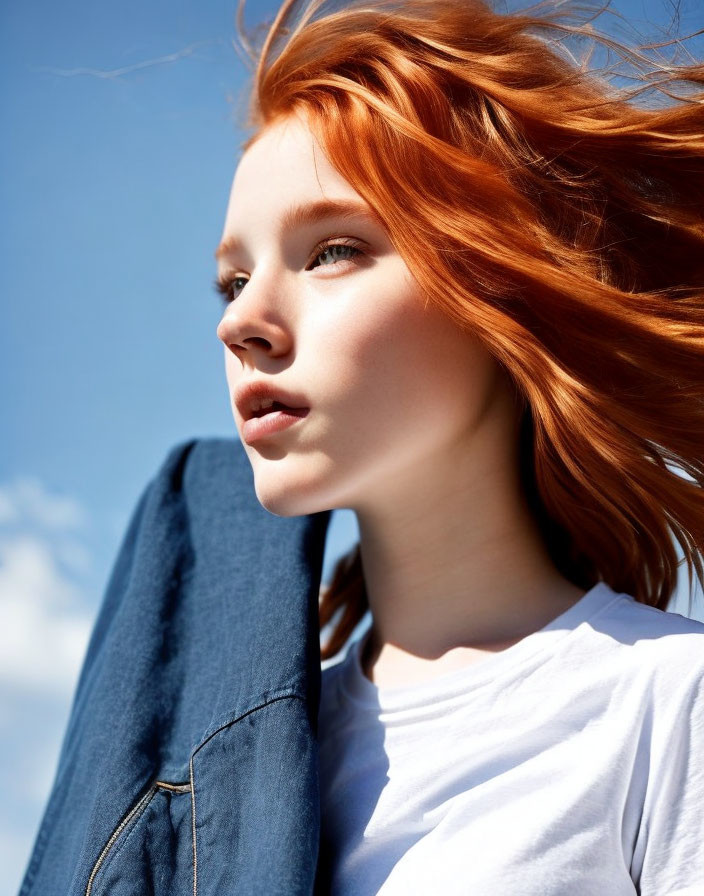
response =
{"points": [[276, 406], [267, 409], [272, 421], [258, 398]]}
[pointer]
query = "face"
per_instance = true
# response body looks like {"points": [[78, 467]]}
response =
{"points": [[325, 310]]}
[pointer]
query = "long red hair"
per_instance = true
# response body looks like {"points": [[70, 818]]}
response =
{"points": [[560, 220]]}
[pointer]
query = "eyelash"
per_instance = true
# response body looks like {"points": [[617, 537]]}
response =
{"points": [[224, 285]]}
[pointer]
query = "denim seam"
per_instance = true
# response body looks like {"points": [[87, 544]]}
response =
{"points": [[260, 702], [107, 854], [193, 827], [288, 695], [175, 788]]}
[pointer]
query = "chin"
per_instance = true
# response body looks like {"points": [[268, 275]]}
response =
{"points": [[282, 496], [299, 484]]}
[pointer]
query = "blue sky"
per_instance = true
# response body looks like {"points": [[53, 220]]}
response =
{"points": [[121, 141]]}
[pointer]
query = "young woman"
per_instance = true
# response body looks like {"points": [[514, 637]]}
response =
{"points": [[464, 284]]}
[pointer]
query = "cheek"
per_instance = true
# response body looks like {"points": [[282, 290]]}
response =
{"points": [[419, 369], [370, 349], [390, 361]]}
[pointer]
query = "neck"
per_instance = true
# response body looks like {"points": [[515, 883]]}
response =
{"points": [[457, 559]]}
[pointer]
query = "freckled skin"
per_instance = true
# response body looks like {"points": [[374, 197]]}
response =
{"points": [[392, 387]]}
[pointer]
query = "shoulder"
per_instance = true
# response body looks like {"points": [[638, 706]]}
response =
{"points": [[639, 623], [663, 646]]}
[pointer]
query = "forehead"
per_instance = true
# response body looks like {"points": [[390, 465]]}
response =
{"points": [[286, 164], [283, 181]]}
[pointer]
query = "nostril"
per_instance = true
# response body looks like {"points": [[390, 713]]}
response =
{"points": [[259, 341]]}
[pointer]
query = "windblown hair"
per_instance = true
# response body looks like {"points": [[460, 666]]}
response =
{"points": [[557, 217]]}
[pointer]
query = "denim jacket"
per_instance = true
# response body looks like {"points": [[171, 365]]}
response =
{"points": [[189, 764]]}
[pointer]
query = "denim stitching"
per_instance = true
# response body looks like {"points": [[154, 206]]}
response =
{"points": [[285, 696], [175, 788], [131, 818], [193, 827]]}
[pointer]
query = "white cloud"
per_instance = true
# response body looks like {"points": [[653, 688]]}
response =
{"points": [[44, 626], [43, 634], [8, 512], [28, 501]]}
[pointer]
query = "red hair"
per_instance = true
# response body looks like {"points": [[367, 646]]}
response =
{"points": [[558, 220]]}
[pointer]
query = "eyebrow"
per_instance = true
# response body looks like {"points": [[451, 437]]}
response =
{"points": [[307, 214]]}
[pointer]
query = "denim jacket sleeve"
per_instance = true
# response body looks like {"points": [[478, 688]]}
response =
{"points": [[189, 762]]}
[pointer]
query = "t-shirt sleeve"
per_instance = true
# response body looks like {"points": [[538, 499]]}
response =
{"points": [[669, 852]]}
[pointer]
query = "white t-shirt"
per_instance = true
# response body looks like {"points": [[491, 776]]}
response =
{"points": [[569, 764]]}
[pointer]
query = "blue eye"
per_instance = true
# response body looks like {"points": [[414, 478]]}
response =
{"points": [[335, 251], [228, 287], [330, 252]]}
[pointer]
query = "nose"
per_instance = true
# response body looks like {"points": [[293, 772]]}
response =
{"points": [[251, 326]]}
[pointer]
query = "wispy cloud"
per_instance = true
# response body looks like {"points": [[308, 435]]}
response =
{"points": [[124, 70], [28, 501]]}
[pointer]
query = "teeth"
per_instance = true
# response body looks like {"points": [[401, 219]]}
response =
{"points": [[267, 403]]}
